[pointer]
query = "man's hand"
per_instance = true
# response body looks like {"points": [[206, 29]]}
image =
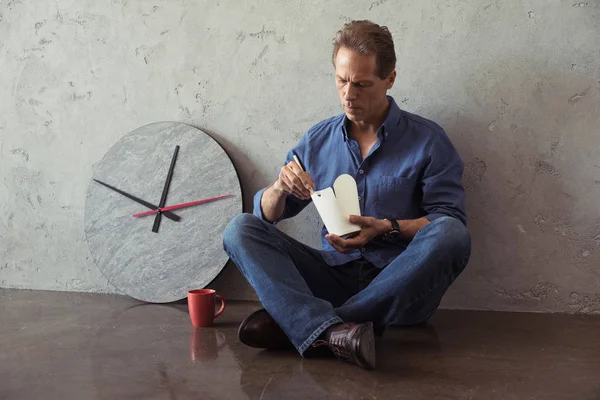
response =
{"points": [[369, 229], [292, 179]]}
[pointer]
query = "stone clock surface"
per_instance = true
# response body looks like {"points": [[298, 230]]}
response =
{"points": [[188, 254]]}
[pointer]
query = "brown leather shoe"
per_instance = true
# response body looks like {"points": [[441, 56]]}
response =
{"points": [[260, 330], [351, 342]]}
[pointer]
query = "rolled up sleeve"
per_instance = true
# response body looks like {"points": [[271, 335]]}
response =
{"points": [[443, 192]]}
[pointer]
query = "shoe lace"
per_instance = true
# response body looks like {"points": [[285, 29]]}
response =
{"points": [[338, 343]]}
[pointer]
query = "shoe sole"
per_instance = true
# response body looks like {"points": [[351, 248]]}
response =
{"points": [[365, 347]]}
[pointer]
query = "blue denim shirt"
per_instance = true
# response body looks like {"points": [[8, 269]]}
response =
{"points": [[413, 171]]}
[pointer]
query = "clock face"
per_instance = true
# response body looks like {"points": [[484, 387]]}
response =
{"points": [[159, 255]]}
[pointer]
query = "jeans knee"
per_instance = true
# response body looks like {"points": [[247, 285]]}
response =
{"points": [[237, 229], [455, 235]]}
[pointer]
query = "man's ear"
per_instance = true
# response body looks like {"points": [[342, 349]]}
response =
{"points": [[391, 79]]}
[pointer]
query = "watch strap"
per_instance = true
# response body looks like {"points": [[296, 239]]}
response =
{"points": [[394, 230], [395, 225]]}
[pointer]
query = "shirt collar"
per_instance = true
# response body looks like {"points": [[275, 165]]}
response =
{"points": [[345, 122], [392, 120]]}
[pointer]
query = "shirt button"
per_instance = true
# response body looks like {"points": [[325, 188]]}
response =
{"points": [[362, 249], [360, 171], [359, 198]]}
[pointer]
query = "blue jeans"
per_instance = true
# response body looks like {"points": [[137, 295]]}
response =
{"points": [[305, 295]]}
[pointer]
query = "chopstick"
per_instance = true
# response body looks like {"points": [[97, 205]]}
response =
{"points": [[302, 168]]}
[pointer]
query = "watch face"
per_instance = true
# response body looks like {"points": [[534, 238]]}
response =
{"points": [[159, 256]]}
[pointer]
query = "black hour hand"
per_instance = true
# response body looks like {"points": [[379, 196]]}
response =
{"points": [[151, 206]]}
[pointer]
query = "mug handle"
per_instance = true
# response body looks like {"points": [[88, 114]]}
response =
{"points": [[222, 305]]}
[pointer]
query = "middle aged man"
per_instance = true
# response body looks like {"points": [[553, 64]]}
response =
{"points": [[413, 241]]}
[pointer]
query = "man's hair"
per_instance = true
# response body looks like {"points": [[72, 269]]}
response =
{"points": [[366, 37]]}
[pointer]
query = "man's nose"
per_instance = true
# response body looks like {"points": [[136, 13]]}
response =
{"points": [[350, 93]]}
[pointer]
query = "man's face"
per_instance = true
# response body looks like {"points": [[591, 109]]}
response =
{"points": [[362, 92]]}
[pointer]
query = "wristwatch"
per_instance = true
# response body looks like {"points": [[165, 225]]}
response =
{"points": [[394, 232]]}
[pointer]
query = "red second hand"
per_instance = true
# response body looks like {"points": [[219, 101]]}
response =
{"points": [[182, 205]]}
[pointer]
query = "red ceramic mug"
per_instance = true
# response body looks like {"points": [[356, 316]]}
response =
{"points": [[201, 305]]}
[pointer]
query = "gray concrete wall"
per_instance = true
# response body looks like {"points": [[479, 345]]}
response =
{"points": [[515, 84]]}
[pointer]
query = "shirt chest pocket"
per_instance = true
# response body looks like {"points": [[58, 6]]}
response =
{"points": [[396, 197]]}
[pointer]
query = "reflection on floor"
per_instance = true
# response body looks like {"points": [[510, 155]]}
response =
{"points": [[90, 346]]}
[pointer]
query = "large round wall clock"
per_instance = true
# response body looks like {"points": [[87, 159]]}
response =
{"points": [[156, 210]]}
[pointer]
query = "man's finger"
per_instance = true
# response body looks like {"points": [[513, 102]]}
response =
{"points": [[307, 181], [285, 179], [340, 249], [298, 188], [333, 239], [290, 186], [310, 180], [359, 220], [289, 178], [305, 178], [333, 242], [352, 243], [291, 171], [297, 193], [295, 168], [341, 242], [297, 177]]}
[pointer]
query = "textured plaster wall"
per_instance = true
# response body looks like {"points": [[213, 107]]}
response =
{"points": [[515, 84]]}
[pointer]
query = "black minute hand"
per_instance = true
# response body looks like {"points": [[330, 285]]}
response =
{"points": [[151, 206], [163, 198]]}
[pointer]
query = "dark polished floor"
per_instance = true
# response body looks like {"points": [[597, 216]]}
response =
{"points": [[90, 346]]}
